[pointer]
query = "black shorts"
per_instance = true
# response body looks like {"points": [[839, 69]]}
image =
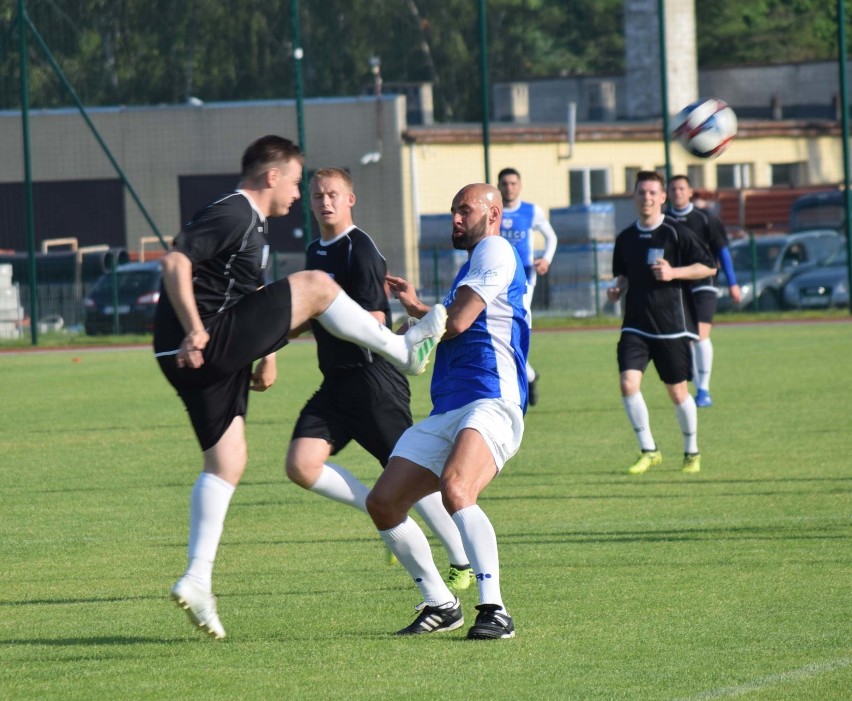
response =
{"points": [[706, 302], [217, 392], [369, 404], [672, 356]]}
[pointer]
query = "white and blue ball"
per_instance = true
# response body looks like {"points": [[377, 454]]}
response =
{"points": [[706, 127]]}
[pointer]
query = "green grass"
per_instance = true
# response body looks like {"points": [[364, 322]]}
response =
{"points": [[734, 583]]}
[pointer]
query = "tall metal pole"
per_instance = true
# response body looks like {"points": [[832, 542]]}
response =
{"points": [[664, 84], [844, 120], [23, 22], [483, 73], [298, 55]]}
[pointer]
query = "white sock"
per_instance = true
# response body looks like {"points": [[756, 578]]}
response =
{"points": [[480, 543], [411, 548], [687, 417], [336, 482], [530, 372], [208, 506], [637, 413], [432, 511], [346, 319], [703, 354]]}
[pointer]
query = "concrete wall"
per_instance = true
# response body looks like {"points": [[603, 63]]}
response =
{"points": [[156, 145]]}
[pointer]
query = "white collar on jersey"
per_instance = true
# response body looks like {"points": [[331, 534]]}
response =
{"points": [[253, 205], [345, 232], [650, 228], [682, 212]]}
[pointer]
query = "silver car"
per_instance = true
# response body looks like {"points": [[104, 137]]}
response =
{"points": [[776, 258], [824, 286]]}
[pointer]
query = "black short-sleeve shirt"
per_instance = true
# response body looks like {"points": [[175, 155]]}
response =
{"points": [[654, 308], [356, 264], [228, 246], [710, 231]]}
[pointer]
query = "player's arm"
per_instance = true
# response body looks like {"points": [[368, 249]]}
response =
{"points": [[404, 291], [265, 373], [728, 268], [463, 311], [664, 271], [177, 282], [615, 291], [540, 223]]}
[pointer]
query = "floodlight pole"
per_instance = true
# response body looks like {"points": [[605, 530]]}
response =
{"points": [[298, 55], [28, 176], [844, 120], [664, 84], [483, 73]]}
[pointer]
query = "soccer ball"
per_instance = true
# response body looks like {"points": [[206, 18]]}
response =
{"points": [[705, 127]]}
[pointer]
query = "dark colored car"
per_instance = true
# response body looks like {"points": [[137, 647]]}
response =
{"points": [[776, 258], [821, 287], [137, 290]]}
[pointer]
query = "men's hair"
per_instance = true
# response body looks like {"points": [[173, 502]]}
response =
{"points": [[268, 152], [508, 171], [645, 175], [680, 177], [333, 172]]}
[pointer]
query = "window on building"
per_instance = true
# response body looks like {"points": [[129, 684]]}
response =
{"points": [[630, 173], [735, 175], [695, 174], [587, 183], [790, 174]]}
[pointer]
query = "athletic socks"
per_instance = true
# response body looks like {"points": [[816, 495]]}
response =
{"points": [[431, 510], [702, 352], [411, 548], [346, 319], [208, 506], [637, 413], [687, 417], [336, 482], [480, 544]]}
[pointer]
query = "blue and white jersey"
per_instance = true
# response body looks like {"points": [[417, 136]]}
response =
{"points": [[518, 226], [517, 229], [488, 360]]}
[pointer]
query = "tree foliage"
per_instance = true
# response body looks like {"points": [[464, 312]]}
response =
{"points": [[162, 51]]}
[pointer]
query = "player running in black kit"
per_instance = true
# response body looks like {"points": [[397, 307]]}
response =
{"points": [[654, 261], [362, 397], [711, 232], [216, 318]]}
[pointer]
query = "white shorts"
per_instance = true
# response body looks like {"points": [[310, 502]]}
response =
{"points": [[429, 442]]}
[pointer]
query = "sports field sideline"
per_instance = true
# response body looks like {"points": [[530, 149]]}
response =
{"points": [[734, 583]]}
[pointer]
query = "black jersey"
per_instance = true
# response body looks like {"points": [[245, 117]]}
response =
{"points": [[228, 246], [655, 308], [710, 231], [356, 264]]}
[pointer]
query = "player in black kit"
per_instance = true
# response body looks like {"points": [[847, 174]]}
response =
{"points": [[711, 232], [216, 318], [654, 261], [362, 396]]}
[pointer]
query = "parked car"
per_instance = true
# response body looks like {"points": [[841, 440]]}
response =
{"points": [[823, 286], [819, 210], [137, 286], [777, 257]]}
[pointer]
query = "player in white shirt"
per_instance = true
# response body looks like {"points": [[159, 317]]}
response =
{"points": [[520, 220], [479, 393]]}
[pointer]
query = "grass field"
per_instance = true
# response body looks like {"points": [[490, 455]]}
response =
{"points": [[734, 583]]}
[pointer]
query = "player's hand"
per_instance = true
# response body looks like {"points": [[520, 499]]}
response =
{"points": [[541, 266], [402, 290], [663, 270], [736, 294], [190, 353], [613, 294], [264, 375]]}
